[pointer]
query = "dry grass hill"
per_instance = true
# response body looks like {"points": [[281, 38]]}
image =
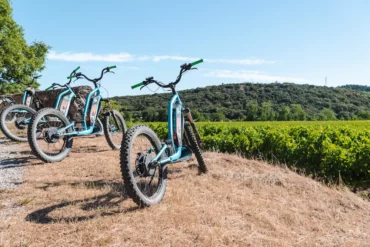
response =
{"points": [[80, 202]]}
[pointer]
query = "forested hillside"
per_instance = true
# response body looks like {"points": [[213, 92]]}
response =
{"points": [[357, 87], [252, 102]]}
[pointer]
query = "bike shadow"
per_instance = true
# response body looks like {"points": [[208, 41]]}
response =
{"points": [[117, 187], [17, 162], [109, 202], [89, 149]]}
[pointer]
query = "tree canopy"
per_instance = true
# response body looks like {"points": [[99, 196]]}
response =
{"points": [[255, 102], [18, 60]]}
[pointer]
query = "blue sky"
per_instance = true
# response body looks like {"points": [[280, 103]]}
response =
{"points": [[240, 40]]}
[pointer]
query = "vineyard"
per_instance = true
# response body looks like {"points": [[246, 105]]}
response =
{"points": [[329, 151]]}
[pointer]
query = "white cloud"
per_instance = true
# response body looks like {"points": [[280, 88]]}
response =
{"points": [[177, 58], [90, 57], [253, 76], [230, 61], [241, 61], [143, 58], [132, 68], [126, 57]]}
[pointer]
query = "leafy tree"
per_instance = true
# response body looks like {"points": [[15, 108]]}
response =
{"points": [[252, 110], [284, 113], [18, 61], [267, 113], [218, 116], [305, 102], [327, 114], [364, 114], [297, 112], [198, 116]]}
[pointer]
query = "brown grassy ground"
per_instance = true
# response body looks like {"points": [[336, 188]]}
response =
{"points": [[79, 202]]}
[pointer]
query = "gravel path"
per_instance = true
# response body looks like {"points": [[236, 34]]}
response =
{"points": [[11, 170]]}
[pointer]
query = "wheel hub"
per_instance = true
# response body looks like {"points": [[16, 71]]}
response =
{"points": [[20, 123], [51, 135], [144, 166]]}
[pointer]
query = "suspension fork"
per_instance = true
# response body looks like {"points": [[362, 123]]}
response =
{"points": [[194, 127]]}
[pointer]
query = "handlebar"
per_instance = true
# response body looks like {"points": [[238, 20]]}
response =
{"points": [[185, 67], [137, 85], [49, 88], [96, 80], [33, 80], [67, 84], [197, 62]]}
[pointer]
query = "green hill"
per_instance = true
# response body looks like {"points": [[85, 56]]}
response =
{"points": [[356, 87], [251, 101]]}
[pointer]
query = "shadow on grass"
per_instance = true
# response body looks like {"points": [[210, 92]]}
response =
{"points": [[89, 150], [106, 202], [117, 187], [17, 162]]}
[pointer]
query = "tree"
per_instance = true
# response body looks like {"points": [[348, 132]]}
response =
{"points": [[18, 61], [267, 113], [284, 113], [297, 112], [198, 116], [218, 116], [252, 110], [363, 114], [327, 114]]}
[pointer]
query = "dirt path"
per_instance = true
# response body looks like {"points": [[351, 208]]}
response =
{"points": [[80, 202], [11, 160]]}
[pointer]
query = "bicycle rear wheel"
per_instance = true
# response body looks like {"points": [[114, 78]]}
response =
{"points": [[114, 129], [14, 121], [193, 144]]}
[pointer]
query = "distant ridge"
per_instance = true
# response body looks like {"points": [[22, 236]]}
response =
{"points": [[256, 101]]}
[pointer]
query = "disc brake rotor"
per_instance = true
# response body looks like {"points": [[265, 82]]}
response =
{"points": [[143, 165], [20, 123], [51, 135]]}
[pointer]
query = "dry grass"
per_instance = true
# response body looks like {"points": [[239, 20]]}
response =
{"points": [[79, 202]]}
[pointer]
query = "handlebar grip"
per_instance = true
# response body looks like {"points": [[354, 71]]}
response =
{"points": [[197, 62], [112, 67], [71, 76], [137, 85], [49, 88], [77, 69]]}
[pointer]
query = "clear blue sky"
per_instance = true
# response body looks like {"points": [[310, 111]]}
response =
{"points": [[240, 40]]}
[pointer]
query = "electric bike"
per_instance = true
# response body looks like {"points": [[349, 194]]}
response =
{"points": [[14, 119], [51, 133], [144, 157]]}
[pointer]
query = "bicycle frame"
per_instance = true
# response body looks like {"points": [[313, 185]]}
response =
{"points": [[27, 98], [6, 99], [67, 93], [175, 128], [91, 110]]}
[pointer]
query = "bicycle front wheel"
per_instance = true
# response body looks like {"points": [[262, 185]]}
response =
{"points": [[46, 135], [145, 182]]}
